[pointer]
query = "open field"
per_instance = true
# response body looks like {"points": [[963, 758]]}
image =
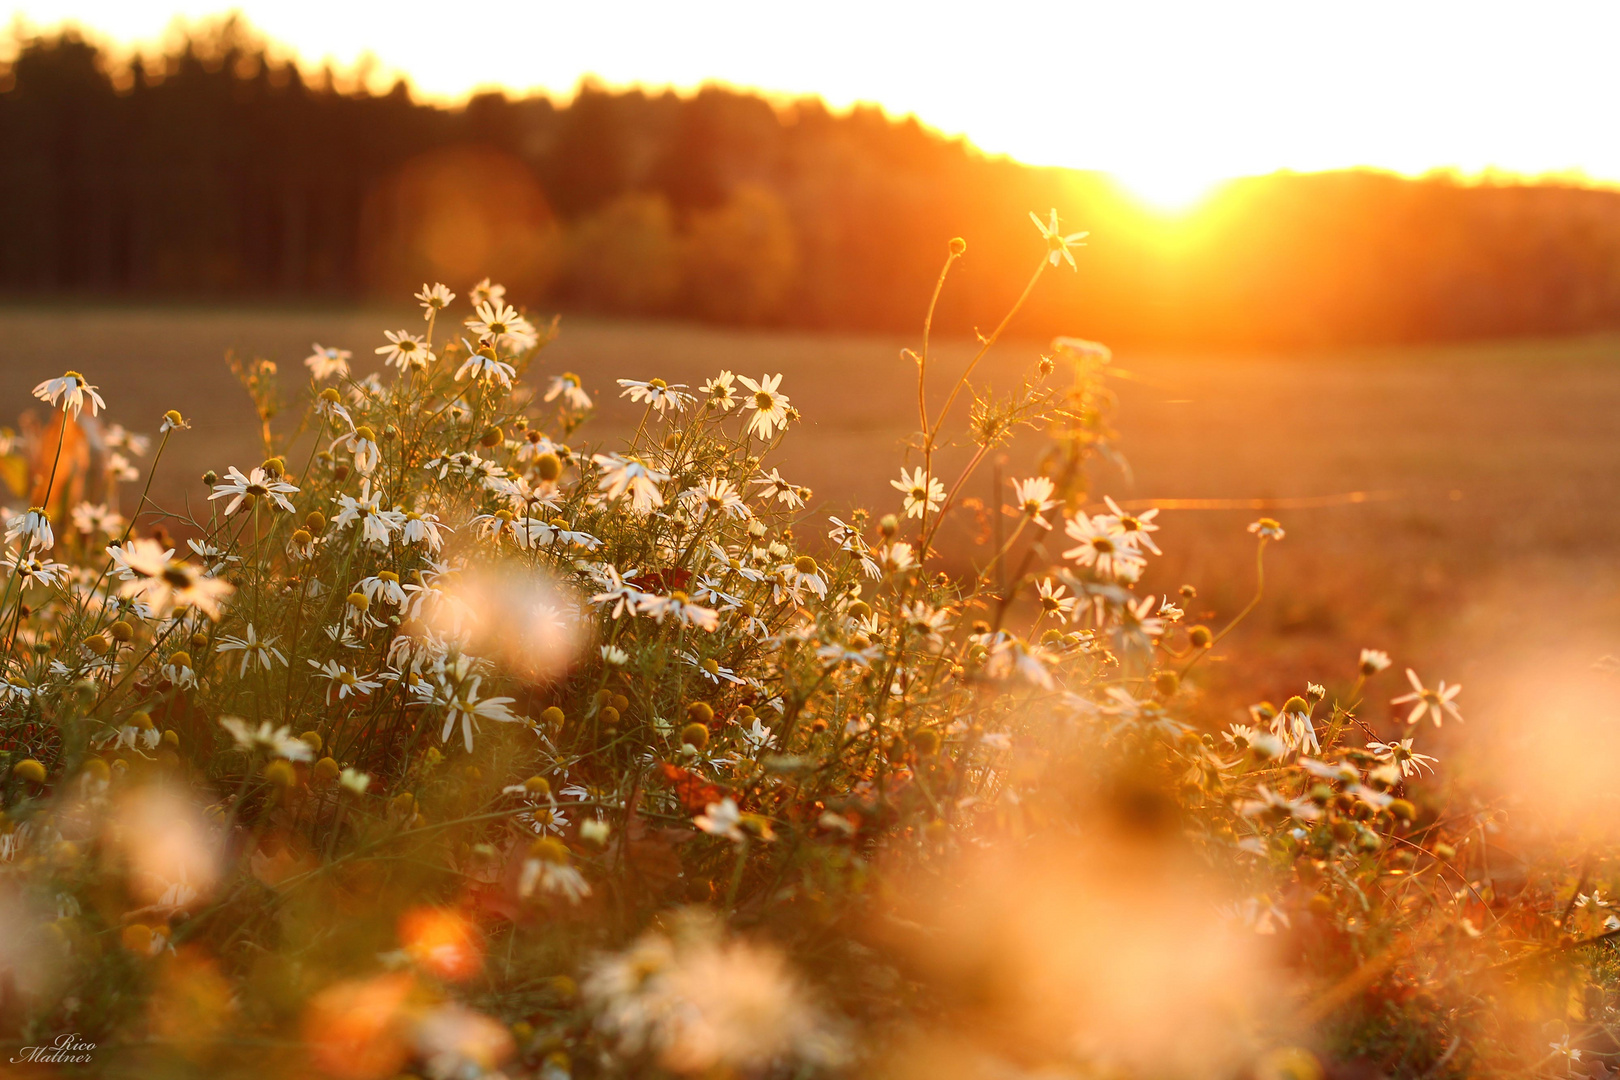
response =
{"points": [[1484, 549]]}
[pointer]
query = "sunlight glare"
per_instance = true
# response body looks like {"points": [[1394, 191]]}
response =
{"points": [[1171, 189]]}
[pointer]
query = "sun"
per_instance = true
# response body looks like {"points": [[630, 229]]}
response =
{"points": [[1168, 189]]}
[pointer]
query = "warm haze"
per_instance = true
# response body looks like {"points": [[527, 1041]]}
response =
{"points": [[1170, 97]]}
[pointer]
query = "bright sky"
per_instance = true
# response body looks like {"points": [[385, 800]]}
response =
{"points": [[1170, 96]]}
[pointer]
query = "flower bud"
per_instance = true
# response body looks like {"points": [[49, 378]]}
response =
{"points": [[1201, 637], [30, 770], [700, 712], [553, 717], [695, 735], [548, 466], [281, 773]]}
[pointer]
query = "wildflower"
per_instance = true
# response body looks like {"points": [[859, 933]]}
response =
{"points": [[165, 584], [354, 780], [460, 700], [323, 363], [90, 518], [706, 1007], [1410, 761], [258, 485], [923, 493], [1011, 655], [1267, 529], [613, 656], [118, 438], [499, 322], [177, 669], [774, 487], [722, 819], [483, 365], [1280, 808], [719, 393], [31, 570], [804, 573], [1053, 602], [622, 474], [255, 653], [362, 443], [549, 868], [486, 292], [405, 351], [1373, 661], [567, 386], [1109, 553], [1436, 703], [341, 681], [1294, 727], [33, 528], [617, 595], [119, 468], [376, 524], [1033, 497], [770, 406], [434, 299], [173, 421], [275, 741], [716, 495], [424, 529], [1058, 244], [680, 607], [1136, 526], [73, 391], [896, 557], [657, 393]]}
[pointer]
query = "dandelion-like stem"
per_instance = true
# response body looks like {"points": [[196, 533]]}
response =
{"points": [[1259, 591], [928, 326]]}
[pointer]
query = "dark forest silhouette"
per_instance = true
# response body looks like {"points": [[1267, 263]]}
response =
{"points": [[219, 175]]}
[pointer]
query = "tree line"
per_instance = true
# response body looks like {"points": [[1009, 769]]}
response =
{"points": [[216, 173]]}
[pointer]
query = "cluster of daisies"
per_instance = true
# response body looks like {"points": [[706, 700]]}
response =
{"points": [[604, 681]]}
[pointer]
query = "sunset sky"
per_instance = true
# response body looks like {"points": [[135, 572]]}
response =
{"points": [[1170, 97]]}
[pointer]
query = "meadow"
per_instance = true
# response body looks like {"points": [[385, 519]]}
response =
{"points": [[1456, 505], [771, 765]]}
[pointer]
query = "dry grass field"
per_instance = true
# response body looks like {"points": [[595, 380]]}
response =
{"points": [[1484, 548]]}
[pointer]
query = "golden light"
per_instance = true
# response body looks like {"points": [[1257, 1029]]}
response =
{"points": [[1168, 96], [1169, 189]]}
